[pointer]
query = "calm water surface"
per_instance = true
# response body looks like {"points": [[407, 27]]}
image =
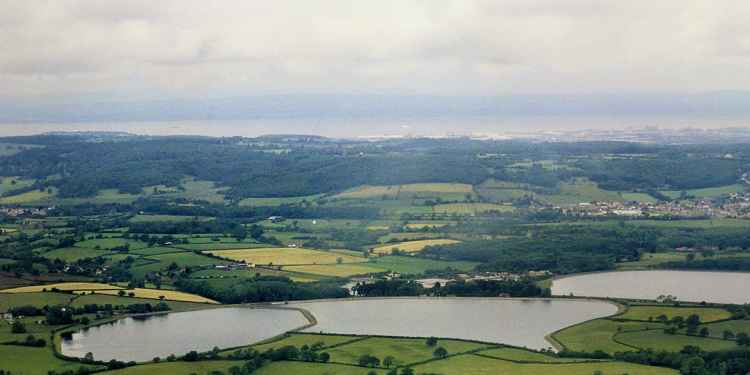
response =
{"points": [[693, 286], [516, 322], [142, 339]]}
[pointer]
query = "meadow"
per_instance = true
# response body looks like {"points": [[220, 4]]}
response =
{"points": [[414, 265], [60, 286], [711, 192], [158, 294], [287, 256], [411, 246]]}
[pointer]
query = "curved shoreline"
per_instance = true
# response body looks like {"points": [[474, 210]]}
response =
{"points": [[549, 337]]}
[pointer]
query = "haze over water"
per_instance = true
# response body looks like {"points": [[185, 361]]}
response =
{"points": [[375, 127]]}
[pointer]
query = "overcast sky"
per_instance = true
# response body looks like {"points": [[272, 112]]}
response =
{"points": [[59, 50]]}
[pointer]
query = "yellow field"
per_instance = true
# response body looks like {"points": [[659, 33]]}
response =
{"points": [[363, 192], [61, 286], [437, 188], [171, 295], [424, 225], [287, 256], [412, 246], [335, 270], [28, 197], [470, 208], [391, 191]]}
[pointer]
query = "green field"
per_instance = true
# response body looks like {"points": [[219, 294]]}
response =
{"points": [[735, 326], [278, 201], [645, 313], [520, 355], [41, 299], [476, 365], [470, 208], [658, 340], [32, 361], [580, 191], [182, 259], [72, 254], [300, 339], [12, 183], [162, 218], [111, 242], [711, 192], [411, 246], [638, 197], [335, 270], [177, 368], [404, 351], [414, 265], [35, 196], [598, 335]]}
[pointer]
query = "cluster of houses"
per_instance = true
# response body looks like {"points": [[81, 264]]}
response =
{"points": [[685, 209], [24, 212]]}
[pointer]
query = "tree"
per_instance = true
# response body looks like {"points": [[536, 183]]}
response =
{"points": [[743, 339], [324, 357], [728, 335], [366, 360], [431, 341], [89, 357], [703, 332], [18, 327], [388, 361], [407, 371], [440, 352]]}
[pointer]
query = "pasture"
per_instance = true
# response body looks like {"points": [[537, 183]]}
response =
{"points": [[521, 355], [468, 364], [711, 192], [73, 286], [171, 295], [33, 361], [411, 246], [72, 254], [37, 299], [414, 265], [287, 256], [646, 313], [13, 183], [404, 351], [580, 190], [278, 201], [658, 340], [34, 196], [470, 208], [334, 270], [598, 335]]}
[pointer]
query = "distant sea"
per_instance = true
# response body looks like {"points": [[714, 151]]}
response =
{"points": [[359, 127]]}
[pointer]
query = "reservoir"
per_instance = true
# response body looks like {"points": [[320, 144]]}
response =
{"points": [[690, 286], [141, 339], [519, 322]]}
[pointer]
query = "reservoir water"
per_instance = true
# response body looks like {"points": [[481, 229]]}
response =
{"points": [[141, 339], [520, 322], [691, 286]]}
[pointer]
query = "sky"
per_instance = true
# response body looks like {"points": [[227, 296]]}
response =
{"points": [[66, 60]]}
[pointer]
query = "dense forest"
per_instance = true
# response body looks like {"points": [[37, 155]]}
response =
{"points": [[268, 167]]}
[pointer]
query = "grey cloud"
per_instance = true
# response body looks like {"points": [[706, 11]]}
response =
{"points": [[469, 47]]}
